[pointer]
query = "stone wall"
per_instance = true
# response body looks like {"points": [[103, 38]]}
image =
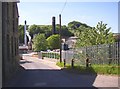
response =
{"points": [[9, 39]]}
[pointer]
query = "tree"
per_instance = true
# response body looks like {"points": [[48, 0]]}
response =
{"points": [[84, 37], [33, 29], [39, 42], [53, 42], [76, 24], [103, 34], [47, 30], [36, 29], [65, 32], [97, 35]]}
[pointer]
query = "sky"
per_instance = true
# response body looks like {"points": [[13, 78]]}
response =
{"points": [[41, 13]]}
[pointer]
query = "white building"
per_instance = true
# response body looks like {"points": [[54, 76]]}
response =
{"points": [[71, 41]]}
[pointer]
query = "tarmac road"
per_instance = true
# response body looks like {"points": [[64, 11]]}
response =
{"points": [[43, 73]]}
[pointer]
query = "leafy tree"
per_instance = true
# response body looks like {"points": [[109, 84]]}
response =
{"points": [[84, 37], [54, 42], [33, 29], [65, 32], [76, 24], [39, 42], [97, 35], [103, 34], [37, 29], [47, 30]]}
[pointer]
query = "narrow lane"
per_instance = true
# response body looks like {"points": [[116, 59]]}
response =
{"points": [[43, 73]]}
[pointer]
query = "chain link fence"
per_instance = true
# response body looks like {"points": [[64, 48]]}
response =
{"points": [[97, 54]]}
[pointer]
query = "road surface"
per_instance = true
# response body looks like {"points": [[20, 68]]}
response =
{"points": [[43, 73]]}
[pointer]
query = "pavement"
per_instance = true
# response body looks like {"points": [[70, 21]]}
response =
{"points": [[45, 73]]}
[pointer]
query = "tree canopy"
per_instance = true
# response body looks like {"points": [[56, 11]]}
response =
{"points": [[39, 42], [95, 36], [87, 35], [53, 42], [76, 24]]}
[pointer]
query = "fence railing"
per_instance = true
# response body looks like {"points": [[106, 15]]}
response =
{"points": [[54, 55], [98, 54]]}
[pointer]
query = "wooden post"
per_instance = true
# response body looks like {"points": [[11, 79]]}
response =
{"points": [[72, 63], [60, 39]]}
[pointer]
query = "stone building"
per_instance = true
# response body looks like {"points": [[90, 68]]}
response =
{"points": [[116, 36], [9, 38]]}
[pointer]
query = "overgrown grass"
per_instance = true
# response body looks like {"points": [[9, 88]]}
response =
{"points": [[95, 69], [62, 65], [107, 69]]}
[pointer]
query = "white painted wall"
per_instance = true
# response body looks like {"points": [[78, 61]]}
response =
{"points": [[0, 45]]}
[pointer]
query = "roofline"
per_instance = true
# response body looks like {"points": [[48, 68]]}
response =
{"points": [[18, 1]]}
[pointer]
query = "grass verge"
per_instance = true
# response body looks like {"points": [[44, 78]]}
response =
{"points": [[94, 69]]}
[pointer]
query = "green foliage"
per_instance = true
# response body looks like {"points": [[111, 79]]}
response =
{"points": [[61, 64], [47, 30], [65, 32], [103, 34], [35, 29], [86, 35], [98, 69], [39, 42], [94, 36], [76, 24], [53, 42], [106, 69], [21, 33]]}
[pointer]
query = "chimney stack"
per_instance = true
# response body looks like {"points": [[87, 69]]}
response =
{"points": [[53, 26]]}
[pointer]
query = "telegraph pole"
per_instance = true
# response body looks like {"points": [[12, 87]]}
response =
{"points": [[25, 38], [60, 39]]}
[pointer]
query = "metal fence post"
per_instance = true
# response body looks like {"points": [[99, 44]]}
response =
{"points": [[64, 62], [72, 63]]}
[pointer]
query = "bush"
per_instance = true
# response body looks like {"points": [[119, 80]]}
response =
{"points": [[53, 42], [39, 42]]}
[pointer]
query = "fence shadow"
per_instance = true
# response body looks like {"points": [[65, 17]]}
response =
{"points": [[51, 78]]}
